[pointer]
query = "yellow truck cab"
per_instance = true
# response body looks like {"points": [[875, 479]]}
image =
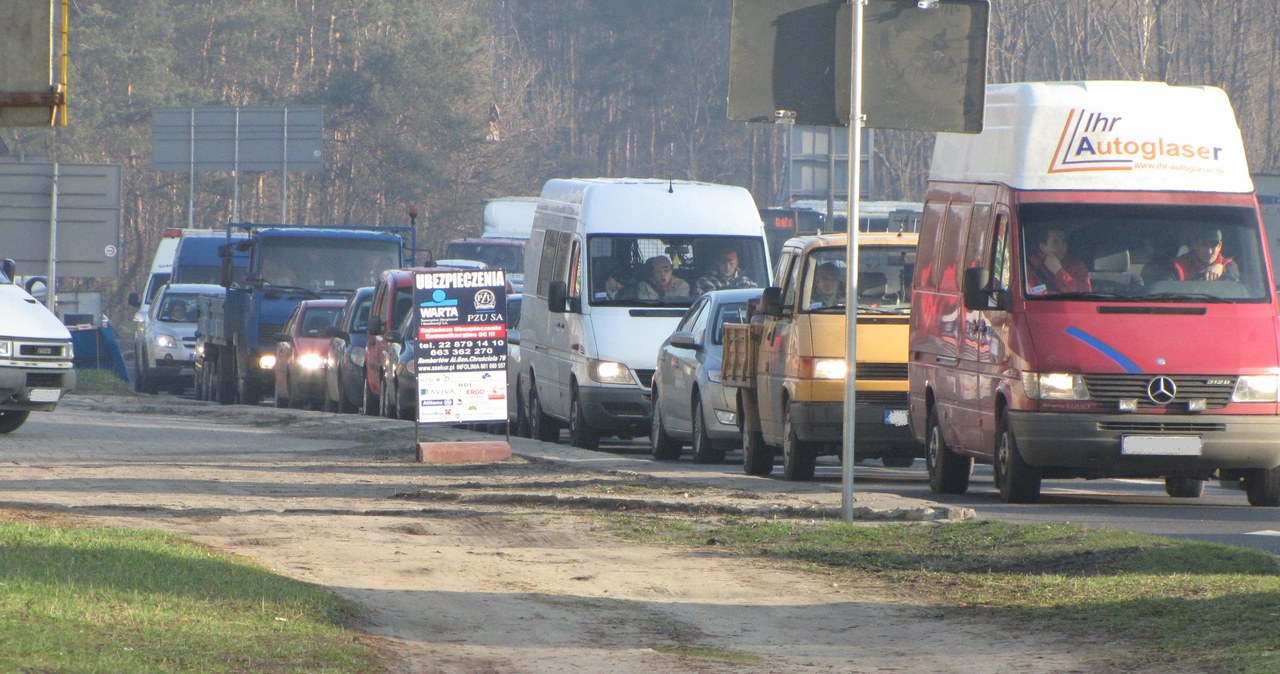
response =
{"points": [[789, 363]]}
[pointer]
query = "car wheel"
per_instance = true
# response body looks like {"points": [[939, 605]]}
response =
{"points": [[137, 371], [147, 381], [1018, 481], [1183, 487], [948, 471], [757, 457], [581, 434], [541, 426], [704, 450], [11, 420], [799, 459], [664, 447], [1262, 485], [386, 407]]}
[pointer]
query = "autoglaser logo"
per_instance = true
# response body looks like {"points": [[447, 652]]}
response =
{"points": [[1098, 141]]}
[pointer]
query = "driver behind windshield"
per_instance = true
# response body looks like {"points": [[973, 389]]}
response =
{"points": [[828, 287], [1051, 269]]}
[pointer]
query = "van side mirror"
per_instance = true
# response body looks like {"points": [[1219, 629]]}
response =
{"points": [[10, 269], [978, 291], [513, 335], [134, 300], [557, 297], [771, 301]]}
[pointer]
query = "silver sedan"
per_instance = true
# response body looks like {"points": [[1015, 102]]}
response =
{"points": [[690, 405]]}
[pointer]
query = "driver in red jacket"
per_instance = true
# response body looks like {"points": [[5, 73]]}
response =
{"points": [[1052, 270]]}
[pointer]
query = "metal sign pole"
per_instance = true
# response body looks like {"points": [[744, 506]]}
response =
{"points": [[851, 267], [191, 175], [235, 173], [50, 297], [284, 172]]}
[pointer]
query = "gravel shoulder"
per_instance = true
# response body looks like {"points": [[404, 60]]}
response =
{"points": [[492, 567]]}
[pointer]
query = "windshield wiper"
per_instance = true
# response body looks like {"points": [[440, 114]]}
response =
{"points": [[1185, 297]]}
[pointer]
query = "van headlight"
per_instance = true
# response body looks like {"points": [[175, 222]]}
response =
{"points": [[1256, 388], [1054, 386], [609, 372], [819, 368]]}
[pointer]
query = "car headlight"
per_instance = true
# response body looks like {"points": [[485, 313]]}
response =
{"points": [[310, 361], [1054, 386], [609, 372], [164, 341], [714, 376], [6, 348], [267, 361], [1256, 388]]}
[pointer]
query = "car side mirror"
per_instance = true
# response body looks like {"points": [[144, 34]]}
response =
{"points": [[10, 269], [557, 297], [375, 325], [771, 301], [684, 340], [393, 337], [134, 299]]}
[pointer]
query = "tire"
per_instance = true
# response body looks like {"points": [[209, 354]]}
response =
{"points": [[12, 420], [386, 407], [223, 389], [663, 446], [948, 471], [799, 459], [137, 371], [1018, 481], [704, 449], [1262, 486], [541, 426], [1183, 487], [146, 381], [581, 434], [522, 415], [757, 457]]}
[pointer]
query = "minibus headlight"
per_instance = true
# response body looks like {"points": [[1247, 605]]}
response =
{"points": [[1054, 386], [609, 372], [1256, 388]]}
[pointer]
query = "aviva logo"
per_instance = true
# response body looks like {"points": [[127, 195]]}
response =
{"points": [[1093, 141]]}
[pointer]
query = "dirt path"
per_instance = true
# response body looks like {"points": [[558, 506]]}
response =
{"points": [[458, 584]]}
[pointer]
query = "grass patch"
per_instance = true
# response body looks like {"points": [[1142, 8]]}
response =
{"points": [[1183, 603], [77, 599], [101, 382]]}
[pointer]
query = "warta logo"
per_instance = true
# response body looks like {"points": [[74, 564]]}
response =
{"points": [[1094, 141]]}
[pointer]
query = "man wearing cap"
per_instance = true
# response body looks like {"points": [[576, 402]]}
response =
{"points": [[662, 283], [1204, 261], [725, 275]]}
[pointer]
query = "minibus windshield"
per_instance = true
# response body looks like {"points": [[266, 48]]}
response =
{"points": [[1142, 252], [884, 279], [641, 270]]}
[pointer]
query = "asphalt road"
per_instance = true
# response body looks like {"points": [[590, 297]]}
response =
{"points": [[1220, 516]]}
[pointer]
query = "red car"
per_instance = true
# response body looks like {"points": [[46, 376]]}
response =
{"points": [[301, 352]]}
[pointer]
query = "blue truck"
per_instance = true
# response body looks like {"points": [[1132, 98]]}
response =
{"points": [[237, 334]]}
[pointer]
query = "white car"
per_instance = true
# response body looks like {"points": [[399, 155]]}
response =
{"points": [[164, 346]]}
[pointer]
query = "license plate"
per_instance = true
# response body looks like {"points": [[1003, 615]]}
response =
{"points": [[896, 418], [45, 395], [1160, 445]]}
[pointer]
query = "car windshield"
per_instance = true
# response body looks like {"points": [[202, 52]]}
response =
{"points": [[508, 256], [655, 270], [884, 279], [178, 308], [1148, 253], [729, 312], [326, 265]]}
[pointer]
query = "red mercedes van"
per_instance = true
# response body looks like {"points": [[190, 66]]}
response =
{"points": [[1093, 296]]}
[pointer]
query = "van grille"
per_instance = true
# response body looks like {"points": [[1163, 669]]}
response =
{"points": [[882, 371], [44, 380], [1109, 389], [1154, 427], [44, 350]]}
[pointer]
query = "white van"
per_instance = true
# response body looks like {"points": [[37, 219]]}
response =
{"points": [[35, 354], [162, 268], [592, 322]]}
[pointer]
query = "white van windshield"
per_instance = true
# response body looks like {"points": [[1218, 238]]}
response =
{"points": [[658, 270], [1148, 253], [884, 279]]}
